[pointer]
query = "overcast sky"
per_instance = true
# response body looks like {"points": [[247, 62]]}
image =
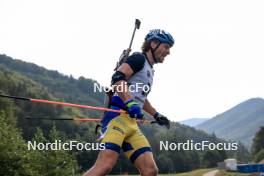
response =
{"points": [[216, 63]]}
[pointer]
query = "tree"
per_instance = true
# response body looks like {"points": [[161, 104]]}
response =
{"points": [[211, 157], [259, 156], [14, 158], [53, 162], [258, 141]]}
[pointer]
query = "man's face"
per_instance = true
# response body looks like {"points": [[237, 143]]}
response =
{"points": [[162, 51]]}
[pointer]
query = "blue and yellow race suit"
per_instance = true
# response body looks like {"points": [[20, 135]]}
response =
{"points": [[120, 131]]}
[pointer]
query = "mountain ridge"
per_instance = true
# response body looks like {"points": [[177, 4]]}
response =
{"points": [[193, 121], [239, 123]]}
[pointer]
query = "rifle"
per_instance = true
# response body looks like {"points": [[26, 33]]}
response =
{"points": [[126, 52]]}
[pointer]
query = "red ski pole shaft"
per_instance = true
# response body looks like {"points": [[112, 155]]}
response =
{"points": [[63, 104]]}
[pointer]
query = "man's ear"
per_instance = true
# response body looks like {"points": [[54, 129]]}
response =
{"points": [[154, 44]]}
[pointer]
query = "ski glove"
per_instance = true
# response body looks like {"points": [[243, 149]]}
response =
{"points": [[133, 109], [162, 120]]}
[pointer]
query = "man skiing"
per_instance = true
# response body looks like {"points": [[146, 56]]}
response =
{"points": [[121, 131]]}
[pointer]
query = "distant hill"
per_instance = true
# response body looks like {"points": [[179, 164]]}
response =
{"points": [[193, 121], [61, 86], [240, 123]]}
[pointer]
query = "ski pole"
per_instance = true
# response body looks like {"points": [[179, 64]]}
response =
{"points": [[62, 103], [78, 119]]}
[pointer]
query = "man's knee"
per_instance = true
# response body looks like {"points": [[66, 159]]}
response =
{"points": [[104, 163], [150, 170], [146, 165], [99, 170], [106, 168]]}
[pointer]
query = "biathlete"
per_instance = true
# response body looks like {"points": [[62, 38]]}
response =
{"points": [[121, 131]]}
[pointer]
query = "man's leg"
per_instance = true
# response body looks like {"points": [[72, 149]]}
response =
{"points": [[104, 163], [146, 165], [138, 150], [113, 137]]}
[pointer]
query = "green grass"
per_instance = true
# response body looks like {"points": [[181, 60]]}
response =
{"points": [[224, 173], [200, 172]]}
